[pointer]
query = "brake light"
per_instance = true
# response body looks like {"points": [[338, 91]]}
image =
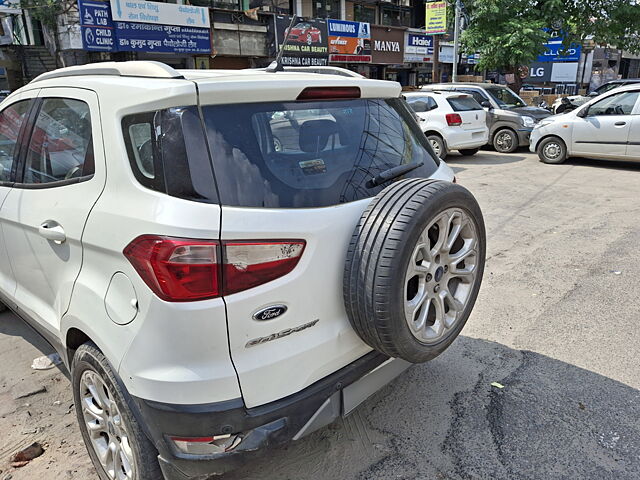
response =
{"points": [[182, 270], [329, 93], [453, 119]]}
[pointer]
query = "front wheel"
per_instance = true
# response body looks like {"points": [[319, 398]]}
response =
{"points": [[116, 444], [467, 152], [552, 150], [438, 146], [505, 141]]}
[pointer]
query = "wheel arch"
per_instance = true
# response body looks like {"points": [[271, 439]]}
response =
{"points": [[496, 129], [427, 133], [553, 135]]}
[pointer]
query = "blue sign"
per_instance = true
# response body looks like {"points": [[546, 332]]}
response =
{"points": [[556, 52], [96, 26], [343, 28], [423, 41], [148, 37]]}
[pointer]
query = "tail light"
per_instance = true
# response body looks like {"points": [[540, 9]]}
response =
{"points": [[453, 119], [182, 270]]}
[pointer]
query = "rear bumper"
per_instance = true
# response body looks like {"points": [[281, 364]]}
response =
{"points": [[467, 139], [269, 425]]}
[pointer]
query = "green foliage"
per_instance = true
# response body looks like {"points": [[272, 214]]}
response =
{"points": [[508, 33], [46, 11]]}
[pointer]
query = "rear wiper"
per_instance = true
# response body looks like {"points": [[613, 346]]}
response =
{"points": [[392, 173]]}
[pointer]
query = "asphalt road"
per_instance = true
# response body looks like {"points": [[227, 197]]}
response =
{"points": [[556, 323]]}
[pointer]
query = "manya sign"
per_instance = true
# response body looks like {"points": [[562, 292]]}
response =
{"points": [[387, 45]]}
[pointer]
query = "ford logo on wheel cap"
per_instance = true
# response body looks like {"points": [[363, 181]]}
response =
{"points": [[270, 312]]}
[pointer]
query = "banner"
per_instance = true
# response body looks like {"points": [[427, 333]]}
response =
{"points": [[436, 18], [418, 48], [556, 52], [387, 45], [101, 33], [307, 41], [145, 37], [141, 11], [349, 42]]}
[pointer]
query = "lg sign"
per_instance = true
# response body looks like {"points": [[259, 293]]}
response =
{"points": [[537, 72]]}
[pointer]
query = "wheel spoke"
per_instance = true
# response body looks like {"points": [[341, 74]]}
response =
{"points": [[454, 228], [414, 305]]}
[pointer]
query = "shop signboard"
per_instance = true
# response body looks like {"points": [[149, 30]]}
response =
{"points": [[418, 48], [307, 41], [96, 27], [387, 45], [555, 51], [563, 72], [349, 42], [146, 37], [436, 18], [539, 72], [141, 11]]}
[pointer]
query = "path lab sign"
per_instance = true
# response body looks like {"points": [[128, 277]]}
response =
{"points": [[96, 26]]}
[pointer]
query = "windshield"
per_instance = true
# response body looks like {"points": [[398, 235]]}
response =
{"points": [[607, 86], [505, 98], [311, 154]]}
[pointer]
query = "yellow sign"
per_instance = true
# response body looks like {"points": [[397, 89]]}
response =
{"points": [[436, 18]]}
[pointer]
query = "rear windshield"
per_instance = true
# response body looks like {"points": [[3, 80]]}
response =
{"points": [[463, 104], [311, 154]]}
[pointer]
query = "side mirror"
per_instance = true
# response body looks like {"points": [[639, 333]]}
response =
{"points": [[593, 94], [486, 104]]}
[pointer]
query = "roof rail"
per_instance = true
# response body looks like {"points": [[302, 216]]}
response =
{"points": [[136, 68]]}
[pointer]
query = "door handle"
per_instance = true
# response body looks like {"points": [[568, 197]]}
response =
{"points": [[52, 230], [620, 124]]}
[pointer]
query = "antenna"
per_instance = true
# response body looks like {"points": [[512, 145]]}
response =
{"points": [[276, 65]]}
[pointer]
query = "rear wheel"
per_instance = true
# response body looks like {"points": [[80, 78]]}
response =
{"points": [[467, 152], [438, 146], [414, 268], [116, 444], [505, 141], [552, 150]]}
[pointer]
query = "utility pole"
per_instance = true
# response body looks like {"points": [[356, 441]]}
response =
{"points": [[456, 41]]}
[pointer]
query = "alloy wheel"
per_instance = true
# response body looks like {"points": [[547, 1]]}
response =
{"points": [[440, 276]]}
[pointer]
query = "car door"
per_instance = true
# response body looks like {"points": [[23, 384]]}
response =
{"points": [[13, 118], [633, 142], [61, 175], [602, 130]]}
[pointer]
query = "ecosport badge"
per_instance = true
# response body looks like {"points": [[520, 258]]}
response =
{"points": [[283, 333]]}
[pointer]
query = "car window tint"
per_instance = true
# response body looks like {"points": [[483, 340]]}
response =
{"points": [[140, 135], [431, 104], [463, 104], [476, 94], [60, 147], [620, 104], [11, 119]]}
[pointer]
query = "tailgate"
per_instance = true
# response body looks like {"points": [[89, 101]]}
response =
{"points": [[473, 119]]}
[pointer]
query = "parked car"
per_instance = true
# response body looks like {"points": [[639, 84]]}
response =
{"points": [[303, 33], [211, 294], [451, 121], [509, 119], [607, 127], [574, 101]]}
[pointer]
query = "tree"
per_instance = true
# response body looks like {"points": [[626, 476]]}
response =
{"points": [[510, 34]]}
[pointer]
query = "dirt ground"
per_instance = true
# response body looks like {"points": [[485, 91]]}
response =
{"points": [[556, 324]]}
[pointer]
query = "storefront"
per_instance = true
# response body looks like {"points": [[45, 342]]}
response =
{"points": [[418, 56], [165, 32], [387, 54]]}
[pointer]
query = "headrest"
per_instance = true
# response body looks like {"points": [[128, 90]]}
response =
{"points": [[314, 134]]}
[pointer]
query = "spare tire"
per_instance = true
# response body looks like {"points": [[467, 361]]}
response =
{"points": [[414, 268]]}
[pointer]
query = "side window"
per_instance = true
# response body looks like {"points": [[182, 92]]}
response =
{"points": [[11, 120], [620, 104], [431, 104], [60, 147]]}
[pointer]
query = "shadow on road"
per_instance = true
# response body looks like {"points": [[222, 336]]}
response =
{"points": [[444, 420], [485, 158], [610, 164]]}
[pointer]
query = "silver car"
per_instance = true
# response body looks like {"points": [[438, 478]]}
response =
{"points": [[509, 118]]}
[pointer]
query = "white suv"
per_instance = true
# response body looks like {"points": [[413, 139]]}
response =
{"points": [[212, 294], [451, 121]]}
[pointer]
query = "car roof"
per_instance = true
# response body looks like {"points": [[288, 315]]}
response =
{"points": [[461, 84], [443, 93], [157, 83]]}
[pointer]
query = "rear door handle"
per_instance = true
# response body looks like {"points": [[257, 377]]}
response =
{"points": [[52, 230], [620, 124]]}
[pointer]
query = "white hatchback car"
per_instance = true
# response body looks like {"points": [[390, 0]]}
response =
{"points": [[607, 127], [213, 292], [450, 120]]}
